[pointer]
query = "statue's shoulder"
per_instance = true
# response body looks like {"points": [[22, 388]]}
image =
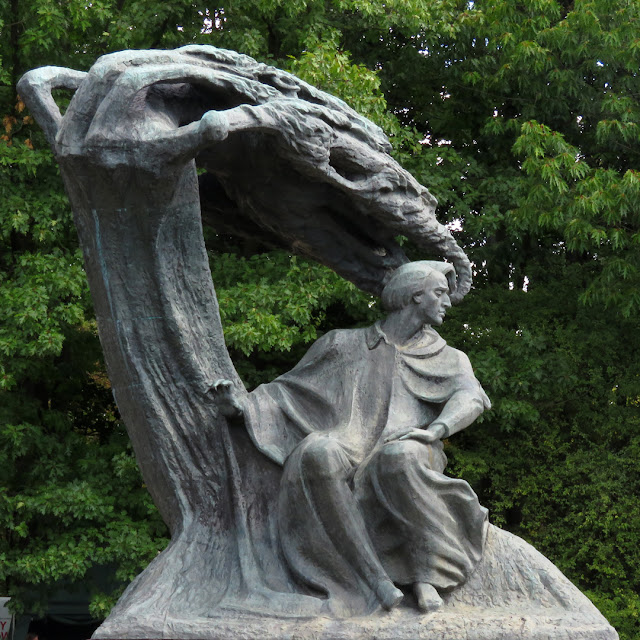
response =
{"points": [[338, 338], [460, 358], [460, 365], [335, 345]]}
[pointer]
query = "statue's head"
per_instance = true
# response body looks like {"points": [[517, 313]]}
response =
{"points": [[424, 283]]}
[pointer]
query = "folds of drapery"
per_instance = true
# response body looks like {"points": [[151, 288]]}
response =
{"points": [[349, 503]]}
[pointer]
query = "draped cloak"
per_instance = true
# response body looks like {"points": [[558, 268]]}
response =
{"points": [[349, 393]]}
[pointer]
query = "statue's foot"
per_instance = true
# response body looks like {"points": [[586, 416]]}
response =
{"points": [[427, 597], [388, 595]]}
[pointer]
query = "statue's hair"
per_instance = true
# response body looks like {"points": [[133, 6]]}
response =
{"points": [[410, 279]]}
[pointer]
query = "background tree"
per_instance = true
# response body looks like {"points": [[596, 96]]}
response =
{"points": [[522, 118]]}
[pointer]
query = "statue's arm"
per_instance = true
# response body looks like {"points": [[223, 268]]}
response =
{"points": [[232, 400], [458, 413], [462, 408]]}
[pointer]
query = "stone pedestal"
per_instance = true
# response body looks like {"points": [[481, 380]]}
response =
{"points": [[515, 594]]}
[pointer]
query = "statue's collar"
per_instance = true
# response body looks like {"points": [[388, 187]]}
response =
{"points": [[426, 343]]}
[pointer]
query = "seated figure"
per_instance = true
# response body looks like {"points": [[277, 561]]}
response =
{"points": [[363, 504]]}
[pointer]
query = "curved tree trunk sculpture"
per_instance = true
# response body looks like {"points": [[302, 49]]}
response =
{"points": [[281, 156]]}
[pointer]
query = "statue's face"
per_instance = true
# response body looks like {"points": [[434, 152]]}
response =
{"points": [[433, 302]]}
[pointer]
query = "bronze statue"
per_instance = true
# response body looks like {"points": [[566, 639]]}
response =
{"points": [[334, 491], [357, 425]]}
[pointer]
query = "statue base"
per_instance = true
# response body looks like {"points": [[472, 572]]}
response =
{"points": [[515, 594]]}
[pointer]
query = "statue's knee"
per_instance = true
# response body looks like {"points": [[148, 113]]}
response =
{"points": [[399, 456], [405, 449], [323, 456]]}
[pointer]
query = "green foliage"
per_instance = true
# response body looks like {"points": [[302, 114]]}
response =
{"points": [[71, 496], [273, 303], [70, 493], [522, 118], [326, 67], [87, 508], [556, 460]]}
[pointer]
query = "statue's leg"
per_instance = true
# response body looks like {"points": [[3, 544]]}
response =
{"points": [[323, 532], [439, 522], [427, 597]]}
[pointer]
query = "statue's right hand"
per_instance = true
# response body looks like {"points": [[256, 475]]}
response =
{"points": [[223, 394], [429, 435]]}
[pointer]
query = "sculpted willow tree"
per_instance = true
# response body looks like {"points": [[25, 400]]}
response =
{"points": [[288, 162]]}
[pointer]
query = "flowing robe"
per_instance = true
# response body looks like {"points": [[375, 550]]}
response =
{"points": [[354, 509]]}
